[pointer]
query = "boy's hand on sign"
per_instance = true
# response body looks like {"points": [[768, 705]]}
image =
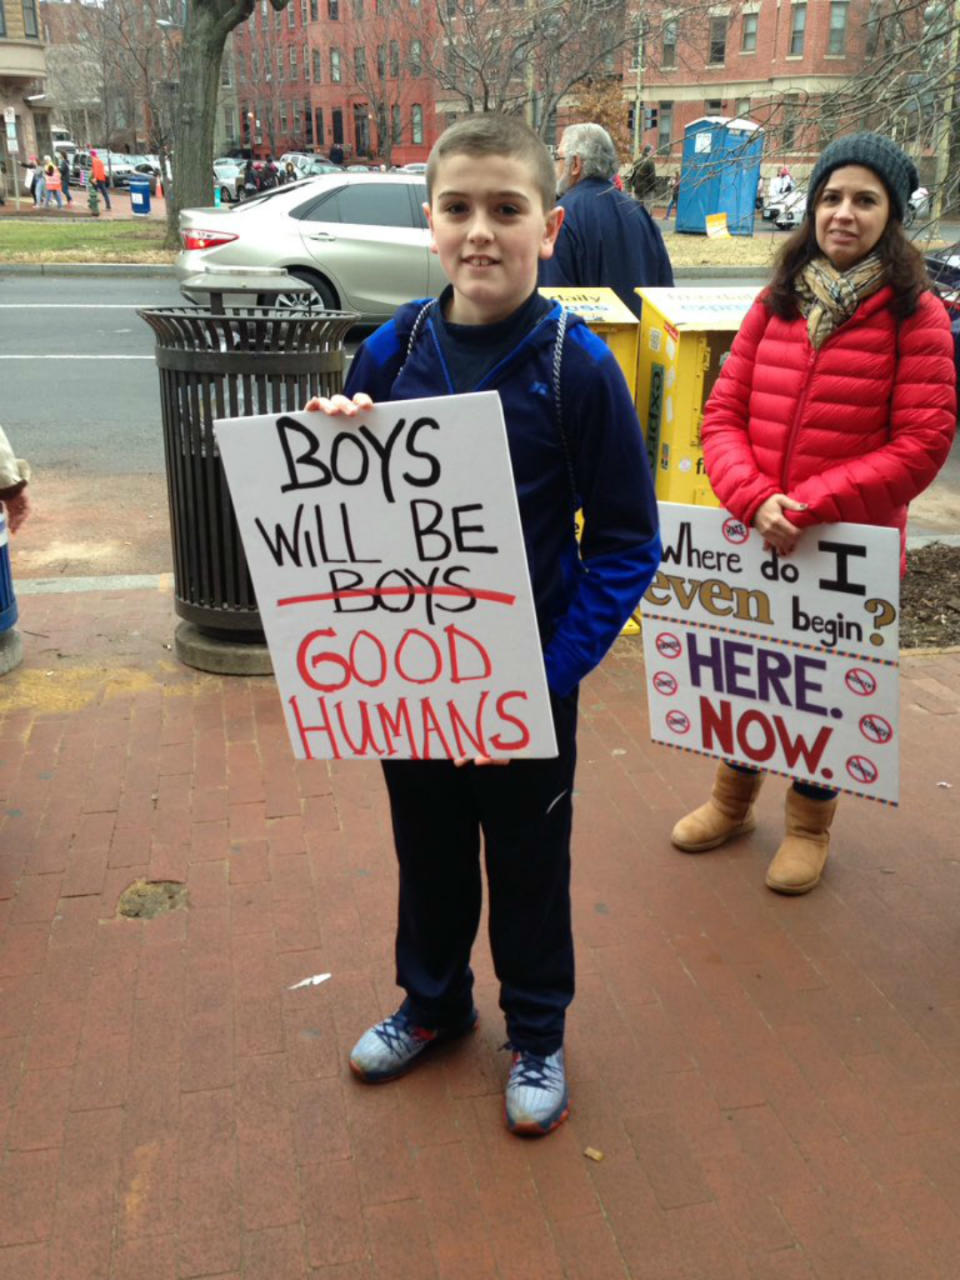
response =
{"points": [[773, 526], [336, 405], [478, 760]]}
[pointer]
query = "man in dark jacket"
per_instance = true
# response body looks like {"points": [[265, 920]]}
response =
{"points": [[607, 238], [642, 178]]}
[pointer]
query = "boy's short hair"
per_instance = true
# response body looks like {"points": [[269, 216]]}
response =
{"points": [[496, 135]]}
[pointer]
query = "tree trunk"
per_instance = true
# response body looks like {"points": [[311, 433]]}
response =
{"points": [[205, 32]]}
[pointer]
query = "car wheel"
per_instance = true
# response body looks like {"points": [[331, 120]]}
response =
{"points": [[319, 290]]}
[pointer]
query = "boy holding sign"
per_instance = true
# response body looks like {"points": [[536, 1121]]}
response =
{"points": [[574, 441]]}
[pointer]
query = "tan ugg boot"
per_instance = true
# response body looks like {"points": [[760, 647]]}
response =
{"points": [[798, 863], [728, 812]]}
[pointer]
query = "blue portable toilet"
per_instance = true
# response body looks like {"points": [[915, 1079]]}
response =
{"points": [[719, 174]]}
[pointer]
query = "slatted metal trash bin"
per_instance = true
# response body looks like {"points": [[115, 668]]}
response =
{"points": [[241, 362]]}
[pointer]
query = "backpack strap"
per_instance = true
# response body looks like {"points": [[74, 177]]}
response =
{"points": [[418, 323], [558, 403]]}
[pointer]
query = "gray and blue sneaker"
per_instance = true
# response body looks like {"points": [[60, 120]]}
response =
{"points": [[536, 1098], [391, 1047]]}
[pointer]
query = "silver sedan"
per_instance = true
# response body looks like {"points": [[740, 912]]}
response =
{"points": [[359, 242]]}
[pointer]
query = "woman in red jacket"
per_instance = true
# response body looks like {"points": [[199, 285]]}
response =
{"points": [[837, 403]]}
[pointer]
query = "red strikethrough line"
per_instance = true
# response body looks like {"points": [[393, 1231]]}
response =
{"points": [[497, 597]]}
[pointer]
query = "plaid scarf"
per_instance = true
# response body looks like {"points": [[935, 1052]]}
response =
{"points": [[828, 297]]}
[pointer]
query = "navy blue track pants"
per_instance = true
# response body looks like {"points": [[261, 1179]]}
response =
{"points": [[524, 812]]}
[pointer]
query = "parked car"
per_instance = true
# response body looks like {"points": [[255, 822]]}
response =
{"points": [[228, 178], [415, 166], [794, 206], [359, 242]]}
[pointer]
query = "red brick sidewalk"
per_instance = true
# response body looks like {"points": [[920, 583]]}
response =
{"points": [[774, 1084]]}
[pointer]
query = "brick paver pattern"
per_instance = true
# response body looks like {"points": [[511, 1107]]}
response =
{"points": [[773, 1084]]}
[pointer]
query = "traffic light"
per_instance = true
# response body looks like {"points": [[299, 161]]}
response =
{"points": [[649, 118]]}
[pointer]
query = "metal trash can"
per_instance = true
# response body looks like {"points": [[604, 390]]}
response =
{"points": [[11, 646], [139, 195], [248, 360]]}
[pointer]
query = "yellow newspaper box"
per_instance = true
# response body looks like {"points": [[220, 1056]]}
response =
{"points": [[684, 333], [609, 319]]}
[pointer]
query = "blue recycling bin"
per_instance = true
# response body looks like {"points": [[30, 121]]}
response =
{"points": [[721, 166], [140, 196], [8, 601]]}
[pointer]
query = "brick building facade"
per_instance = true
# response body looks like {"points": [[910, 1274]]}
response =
{"points": [[350, 72]]}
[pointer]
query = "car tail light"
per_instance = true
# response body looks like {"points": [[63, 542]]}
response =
{"points": [[195, 239]]}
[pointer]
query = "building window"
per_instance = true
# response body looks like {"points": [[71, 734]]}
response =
{"points": [[279, 63], [798, 29], [837, 40], [291, 15], [360, 63], [254, 67], [394, 58], [718, 40], [314, 17], [333, 10], [308, 121], [283, 117], [30, 28], [294, 72], [306, 62], [335, 73], [416, 60], [713, 106], [381, 62], [743, 108], [669, 57], [748, 39], [358, 9], [318, 118], [396, 123], [416, 123], [225, 73], [3, 20], [338, 125], [317, 66], [790, 104], [664, 126], [229, 123], [304, 14]]}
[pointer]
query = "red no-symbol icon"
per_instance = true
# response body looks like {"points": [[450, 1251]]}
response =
{"points": [[860, 682], [861, 769], [876, 729], [665, 683], [735, 531], [677, 721], [668, 645]]}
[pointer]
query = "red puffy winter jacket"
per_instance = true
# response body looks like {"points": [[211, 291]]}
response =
{"points": [[855, 430]]}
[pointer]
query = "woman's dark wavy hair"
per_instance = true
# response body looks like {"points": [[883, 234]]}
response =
{"points": [[906, 270]]}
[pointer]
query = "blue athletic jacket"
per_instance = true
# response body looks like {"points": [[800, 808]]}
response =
{"points": [[582, 601]]}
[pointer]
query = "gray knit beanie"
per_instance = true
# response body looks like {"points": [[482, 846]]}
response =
{"points": [[873, 151]]}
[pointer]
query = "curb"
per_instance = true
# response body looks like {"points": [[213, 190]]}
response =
{"points": [[136, 270], [144, 269]]}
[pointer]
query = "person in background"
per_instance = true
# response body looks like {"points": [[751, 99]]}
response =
{"points": [[31, 168], [336, 154], [64, 167], [673, 193], [51, 176], [837, 403], [607, 237], [98, 176], [14, 477]]}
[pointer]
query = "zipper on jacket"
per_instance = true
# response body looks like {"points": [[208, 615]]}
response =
{"points": [[798, 414]]}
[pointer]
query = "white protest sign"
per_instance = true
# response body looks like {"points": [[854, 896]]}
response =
{"points": [[788, 664], [389, 565]]}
